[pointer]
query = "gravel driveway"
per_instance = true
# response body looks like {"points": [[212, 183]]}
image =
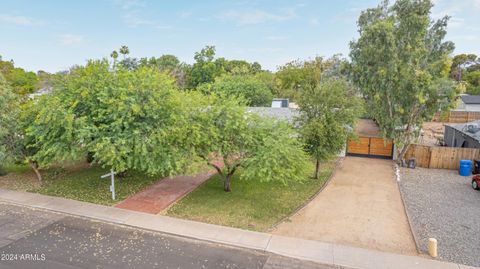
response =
{"points": [[441, 204]]}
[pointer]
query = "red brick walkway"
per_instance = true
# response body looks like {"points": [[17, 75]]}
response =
{"points": [[162, 194]]}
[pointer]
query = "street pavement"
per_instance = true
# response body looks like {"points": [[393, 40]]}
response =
{"points": [[31, 238]]}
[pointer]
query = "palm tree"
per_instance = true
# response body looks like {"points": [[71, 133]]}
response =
{"points": [[124, 51], [114, 55]]}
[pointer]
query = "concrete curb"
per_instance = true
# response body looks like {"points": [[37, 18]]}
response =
{"points": [[324, 253]]}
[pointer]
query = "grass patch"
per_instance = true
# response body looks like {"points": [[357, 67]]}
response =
{"points": [[79, 182], [251, 205], [86, 185], [16, 168]]}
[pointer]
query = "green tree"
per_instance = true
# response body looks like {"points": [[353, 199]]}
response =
{"points": [[459, 65], [167, 62], [229, 138], [129, 63], [206, 68], [296, 76], [473, 82], [21, 81], [328, 113], [398, 62], [114, 56], [254, 91], [8, 120], [126, 120], [15, 117]]}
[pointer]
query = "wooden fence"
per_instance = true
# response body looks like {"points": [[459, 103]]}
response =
{"points": [[440, 157], [458, 117]]}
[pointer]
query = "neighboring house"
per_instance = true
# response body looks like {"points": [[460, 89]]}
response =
{"points": [[279, 113], [469, 103], [466, 135], [282, 109], [283, 102]]}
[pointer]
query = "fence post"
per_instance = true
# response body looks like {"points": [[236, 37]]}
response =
{"points": [[429, 157]]}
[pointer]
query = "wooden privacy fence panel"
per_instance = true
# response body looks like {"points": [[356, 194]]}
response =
{"points": [[440, 157], [458, 117], [420, 153]]}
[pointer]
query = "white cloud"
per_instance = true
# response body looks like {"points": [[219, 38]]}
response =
{"points": [[18, 20], [257, 16], [71, 39]]}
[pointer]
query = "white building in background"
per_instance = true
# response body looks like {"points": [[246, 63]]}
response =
{"points": [[469, 103], [40, 92]]}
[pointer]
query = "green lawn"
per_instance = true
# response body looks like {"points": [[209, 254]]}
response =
{"points": [[80, 182], [251, 204]]}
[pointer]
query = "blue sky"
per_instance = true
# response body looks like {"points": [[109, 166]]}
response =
{"points": [[54, 35]]}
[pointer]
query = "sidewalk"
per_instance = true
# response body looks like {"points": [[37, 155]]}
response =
{"points": [[324, 253], [161, 195]]}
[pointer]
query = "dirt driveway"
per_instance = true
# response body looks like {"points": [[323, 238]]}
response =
{"points": [[361, 206]]}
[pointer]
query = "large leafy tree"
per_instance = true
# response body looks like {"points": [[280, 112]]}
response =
{"points": [[401, 64], [296, 76], [15, 116], [8, 116], [126, 120], [328, 113], [21, 81], [206, 68], [253, 90], [229, 138], [466, 71], [473, 82]]}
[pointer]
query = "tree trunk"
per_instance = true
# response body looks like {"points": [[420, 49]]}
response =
{"points": [[317, 170], [90, 158], [226, 184], [34, 166], [402, 153]]}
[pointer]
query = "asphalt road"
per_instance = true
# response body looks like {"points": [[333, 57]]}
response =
{"points": [[32, 238]]}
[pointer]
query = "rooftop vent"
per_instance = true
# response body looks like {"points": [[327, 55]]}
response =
{"points": [[472, 128]]}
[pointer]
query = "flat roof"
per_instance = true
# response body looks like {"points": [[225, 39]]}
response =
{"points": [[471, 99], [462, 128]]}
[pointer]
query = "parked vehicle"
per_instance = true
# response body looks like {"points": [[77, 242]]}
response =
{"points": [[476, 182]]}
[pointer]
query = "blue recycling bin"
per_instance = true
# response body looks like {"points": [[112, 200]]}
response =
{"points": [[465, 167]]}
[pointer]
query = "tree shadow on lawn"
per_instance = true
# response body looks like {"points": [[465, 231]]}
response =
{"points": [[252, 205], [78, 181]]}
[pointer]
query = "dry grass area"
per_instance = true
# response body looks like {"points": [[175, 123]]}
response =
{"points": [[432, 133], [19, 181]]}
